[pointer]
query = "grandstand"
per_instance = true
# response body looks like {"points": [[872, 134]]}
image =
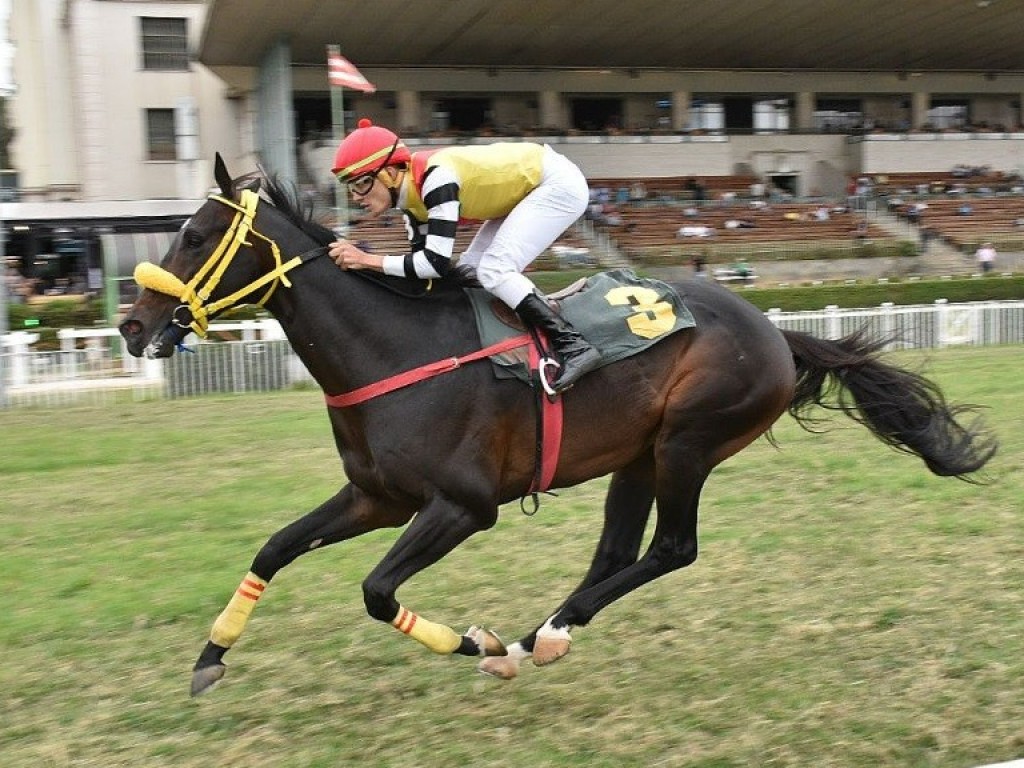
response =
{"points": [[703, 187], [688, 113], [999, 219], [660, 232], [982, 180]]}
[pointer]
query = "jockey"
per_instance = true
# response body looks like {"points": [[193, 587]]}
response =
{"points": [[525, 194]]}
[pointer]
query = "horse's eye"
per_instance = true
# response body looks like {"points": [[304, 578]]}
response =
{"points": [[193, 239]]}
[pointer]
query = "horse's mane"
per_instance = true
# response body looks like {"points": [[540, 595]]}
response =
{"points": [[284, 196]]}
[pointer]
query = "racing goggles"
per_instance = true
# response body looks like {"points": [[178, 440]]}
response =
{"points": [[362, 184]]}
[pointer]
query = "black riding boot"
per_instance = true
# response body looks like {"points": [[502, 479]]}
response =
{"points": [[575, 353]]}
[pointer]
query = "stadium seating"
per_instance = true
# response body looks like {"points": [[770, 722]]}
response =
{"points": [[657, 226], [990, 218], [681, 187]]}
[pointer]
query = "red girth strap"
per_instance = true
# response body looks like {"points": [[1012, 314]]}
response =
{"points": [[551, 411], [549, 423]]}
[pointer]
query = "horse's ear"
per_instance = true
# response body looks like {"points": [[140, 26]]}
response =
{"points": [[222, 177]]}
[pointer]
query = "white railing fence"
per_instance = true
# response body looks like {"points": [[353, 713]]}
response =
{"points": [[253, 356]]}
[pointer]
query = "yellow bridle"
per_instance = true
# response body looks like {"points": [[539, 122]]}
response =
{"points": [[196, 293]]}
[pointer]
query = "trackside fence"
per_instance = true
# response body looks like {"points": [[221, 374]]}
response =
{"points": [[91, 366]]}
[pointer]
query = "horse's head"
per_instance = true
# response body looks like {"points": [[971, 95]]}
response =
{"points": [[217, 260]]}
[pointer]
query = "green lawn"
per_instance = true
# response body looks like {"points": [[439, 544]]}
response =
{"points": [[847, 609]]}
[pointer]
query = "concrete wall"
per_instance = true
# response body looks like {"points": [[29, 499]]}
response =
{"points": [[882, 153]]}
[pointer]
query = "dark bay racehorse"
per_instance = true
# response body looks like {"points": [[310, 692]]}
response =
{"points": [[439, 457]]}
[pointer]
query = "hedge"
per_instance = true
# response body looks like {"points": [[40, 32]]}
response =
{"points": [[993, 288]]}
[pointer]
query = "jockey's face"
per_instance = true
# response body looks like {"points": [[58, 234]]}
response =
{"points": [[374, 196]]}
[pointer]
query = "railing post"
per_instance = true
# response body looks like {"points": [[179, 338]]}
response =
{"points": [[887, 322], [941, 308], [20, 354], [833, 329]]}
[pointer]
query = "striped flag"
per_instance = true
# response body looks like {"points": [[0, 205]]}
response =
{"points": [[341, 73]]}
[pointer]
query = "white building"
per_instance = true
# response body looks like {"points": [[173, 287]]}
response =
{"points": [[111, 104]]}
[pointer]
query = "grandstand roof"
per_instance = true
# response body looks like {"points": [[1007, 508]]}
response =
{"points": [[854, 35]]}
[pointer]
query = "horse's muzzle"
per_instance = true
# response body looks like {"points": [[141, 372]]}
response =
{"points": [[159, 345]]}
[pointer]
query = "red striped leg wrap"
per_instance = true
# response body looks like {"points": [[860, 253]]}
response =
{"points": [[229, 625]]}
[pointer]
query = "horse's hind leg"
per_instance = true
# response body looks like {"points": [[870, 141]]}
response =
{"points": [[682, 468], [627, 508], [344, 516]]}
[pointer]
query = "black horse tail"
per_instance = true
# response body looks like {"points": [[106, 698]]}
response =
{"points": [[903, 409]]}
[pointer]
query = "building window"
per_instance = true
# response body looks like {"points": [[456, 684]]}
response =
{"points": [[164, 43], [707, 116], [838, 115], [160, 134], [949, 114], [771, 116]]}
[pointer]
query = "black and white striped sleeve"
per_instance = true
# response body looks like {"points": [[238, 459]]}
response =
{"points": [[433, 249]]}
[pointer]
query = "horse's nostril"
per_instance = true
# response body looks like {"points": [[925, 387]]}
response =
{"points": [[131, 327]]}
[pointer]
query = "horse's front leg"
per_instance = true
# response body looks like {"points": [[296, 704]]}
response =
{"points": [[439, 527], [348, 514]]}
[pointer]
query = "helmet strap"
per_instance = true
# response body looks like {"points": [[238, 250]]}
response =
{"points": [[394, 184]]}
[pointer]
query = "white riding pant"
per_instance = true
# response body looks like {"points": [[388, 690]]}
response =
{"points": [[503, 248]]}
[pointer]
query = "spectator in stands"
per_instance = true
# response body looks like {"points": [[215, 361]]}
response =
{"points": [[698, 263], [860, 233], [927, 233], [526, 194], [739, 224], [697, 230], [914, 211], [611, 216], [698, 190], [965, 209], [986, 256], [637, 192], [743, 271], [821, 213]]}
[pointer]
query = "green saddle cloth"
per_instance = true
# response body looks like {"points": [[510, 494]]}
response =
{"points": [[619, 313]]}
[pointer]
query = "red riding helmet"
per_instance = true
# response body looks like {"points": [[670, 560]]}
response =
{"points": [[367, 150]]}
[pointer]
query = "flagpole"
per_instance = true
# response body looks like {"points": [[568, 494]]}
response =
{"points": [[338, 129]]}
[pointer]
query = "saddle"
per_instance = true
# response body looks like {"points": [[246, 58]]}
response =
{"points": [[508, 316], [616, 311]]}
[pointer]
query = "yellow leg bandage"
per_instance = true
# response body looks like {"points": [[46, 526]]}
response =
{"points": [[229, 625], [437, 637]]}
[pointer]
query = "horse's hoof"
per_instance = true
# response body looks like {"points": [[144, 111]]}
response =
{"points": [[502, 667], [205, 678], [488, 642], [547, 650]]}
